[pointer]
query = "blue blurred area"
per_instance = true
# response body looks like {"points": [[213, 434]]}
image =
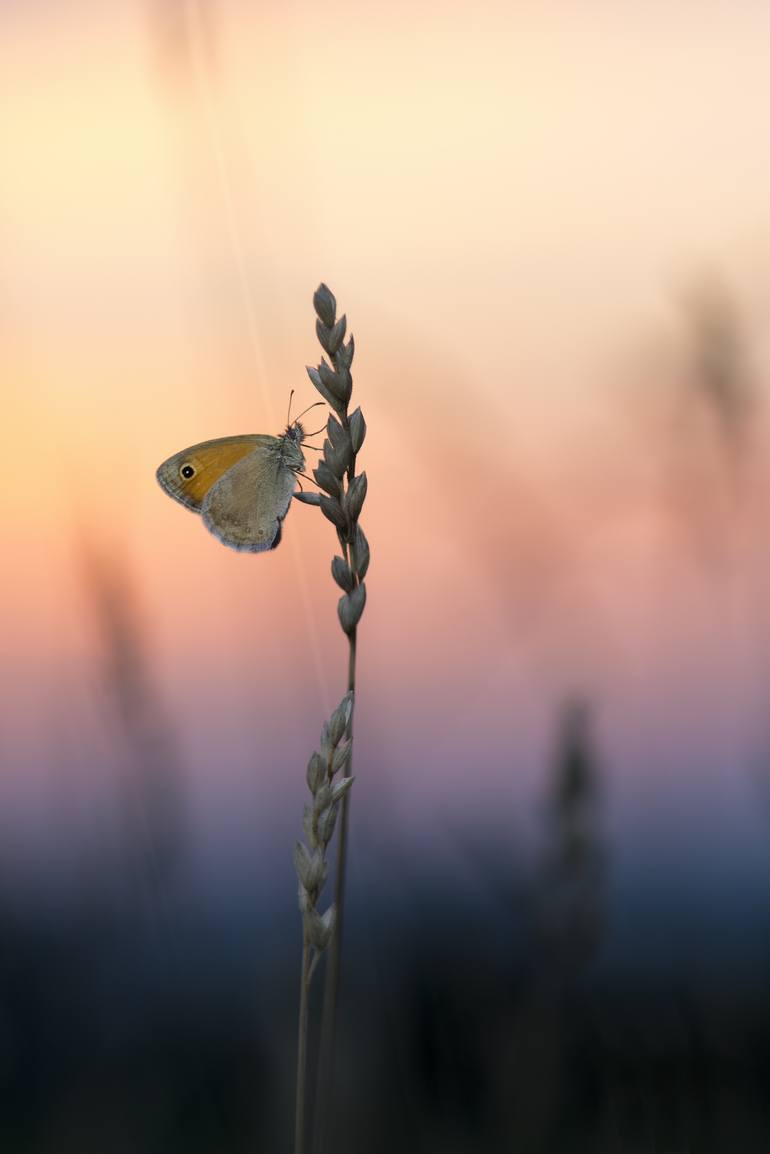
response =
{"points": [[495, 996]]}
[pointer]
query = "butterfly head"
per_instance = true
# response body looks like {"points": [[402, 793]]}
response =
{"points": [[291, 445]]}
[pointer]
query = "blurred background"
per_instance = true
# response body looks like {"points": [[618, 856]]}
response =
{"points": [[549, 225]]}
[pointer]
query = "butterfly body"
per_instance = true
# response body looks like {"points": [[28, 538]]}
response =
{"points": [[242, 486]]}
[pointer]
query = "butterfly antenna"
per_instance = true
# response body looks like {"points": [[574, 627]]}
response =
{"points": [[307, 410], [288, 414]]}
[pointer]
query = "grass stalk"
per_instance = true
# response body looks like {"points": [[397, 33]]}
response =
{"points": [[304, 1001], [327, 1050], [341, 497]]}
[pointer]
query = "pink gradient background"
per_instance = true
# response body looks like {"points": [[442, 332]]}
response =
{"points": [[511, 202]]}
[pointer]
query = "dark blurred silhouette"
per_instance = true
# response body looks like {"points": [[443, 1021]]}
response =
{"points": [[152, 802], [710, 478], [568, 899], [720, 379], [183, 36], [572, 877]]}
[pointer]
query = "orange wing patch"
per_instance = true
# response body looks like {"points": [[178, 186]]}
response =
{"points": [[188, 476]]}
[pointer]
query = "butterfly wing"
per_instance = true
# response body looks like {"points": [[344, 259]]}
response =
{"points": [[246, 506], [208, 461]]}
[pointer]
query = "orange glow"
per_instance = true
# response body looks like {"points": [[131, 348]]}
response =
{"points": [[506, 206]]}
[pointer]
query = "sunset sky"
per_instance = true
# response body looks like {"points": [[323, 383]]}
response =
{"points": [[515, 204]]}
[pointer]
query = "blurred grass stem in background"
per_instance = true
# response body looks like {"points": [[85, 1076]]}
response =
{"points": [[341, 498]]}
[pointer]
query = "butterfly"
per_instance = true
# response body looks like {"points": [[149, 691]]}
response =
{"points": [[241, 486]]}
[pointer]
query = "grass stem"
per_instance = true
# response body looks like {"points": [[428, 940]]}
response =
{"points": [[304, 999]]}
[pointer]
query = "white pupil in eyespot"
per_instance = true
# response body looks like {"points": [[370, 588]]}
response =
{"points": [[187, 471]]}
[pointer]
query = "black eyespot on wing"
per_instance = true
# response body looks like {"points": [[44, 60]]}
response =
{"points": [[187, 471]]}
